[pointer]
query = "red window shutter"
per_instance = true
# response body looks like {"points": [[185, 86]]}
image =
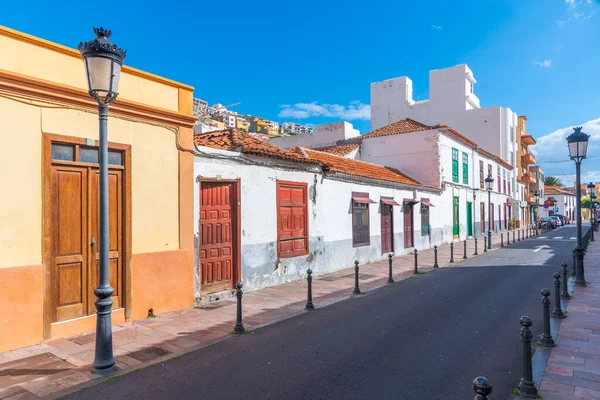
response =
{"points": [[292, 229]]}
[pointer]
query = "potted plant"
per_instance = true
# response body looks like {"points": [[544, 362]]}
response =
{"points": [[512, 223]]}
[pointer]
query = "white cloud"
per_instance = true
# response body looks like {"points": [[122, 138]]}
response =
{"points": [[560, 24], [437, 27], [354, 111], [552, 153], [570, 3], [578, 10], [544, 64]]}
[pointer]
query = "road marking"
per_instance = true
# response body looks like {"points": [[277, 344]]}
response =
{"points": [[573, 238], [543, 237], [557, 237], [538, 248]]}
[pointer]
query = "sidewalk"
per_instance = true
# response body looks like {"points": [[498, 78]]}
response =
{"points": [[52, 367], [573, 371]]}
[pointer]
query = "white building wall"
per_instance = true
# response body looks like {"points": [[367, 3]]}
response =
{"points": [[323, 136], [564, 203], [450, 103], [330, 219]]}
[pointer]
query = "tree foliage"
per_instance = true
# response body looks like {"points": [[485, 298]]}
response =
{"points": [[552, 181]]}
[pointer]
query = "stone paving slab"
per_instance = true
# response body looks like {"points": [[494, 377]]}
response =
{"points": [[573, 371], [66, 362]]}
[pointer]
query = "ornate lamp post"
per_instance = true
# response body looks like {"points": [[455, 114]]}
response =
{"points": [[591, 187], [536, 196], [103, 61], [489, 185], [578, 143]]}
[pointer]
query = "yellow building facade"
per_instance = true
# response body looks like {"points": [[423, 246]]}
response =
{"points": [[48, 210]]}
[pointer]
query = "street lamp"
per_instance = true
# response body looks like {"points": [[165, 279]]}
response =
{"points": [[103, 61], [591, 188], [489, 185], [578, 143], [536, 197]]}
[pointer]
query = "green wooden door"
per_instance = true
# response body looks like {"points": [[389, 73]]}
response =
{"points": [[456, 218], [469, 218]]}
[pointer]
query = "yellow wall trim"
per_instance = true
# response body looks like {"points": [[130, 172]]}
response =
{"points": [[18, 84], [24, 37]]}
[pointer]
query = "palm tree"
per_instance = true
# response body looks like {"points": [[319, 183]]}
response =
{"points": [[552, 181]]}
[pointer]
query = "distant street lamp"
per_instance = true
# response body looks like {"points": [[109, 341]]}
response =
{"points": [[578, 143], [536, 196], [103, 61], [489, 185], [591, 188]]}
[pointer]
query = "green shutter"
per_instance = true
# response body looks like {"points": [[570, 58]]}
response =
{"points": [[455, 165], [465, 161]]}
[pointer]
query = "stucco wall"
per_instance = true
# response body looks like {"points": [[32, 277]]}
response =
{"points": [[415, 154], [33, 60], [155, 219], [324, 135], [330, 221]]}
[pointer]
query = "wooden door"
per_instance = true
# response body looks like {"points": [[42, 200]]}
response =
{"points": [[482, 214], [69, 269], [216, 236], [387, 229], [456, 218], [408, 225], [505, 220], [469, 218], [115, 235], [75, 239], [492, 219]]}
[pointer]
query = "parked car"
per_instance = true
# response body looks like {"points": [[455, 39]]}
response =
{"points": [[557, 220], [564, 220], [546, 223]]}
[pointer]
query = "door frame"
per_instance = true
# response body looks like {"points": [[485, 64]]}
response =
{"points": [[47, 140], [456, 207], [236, 220], [391, 227]]}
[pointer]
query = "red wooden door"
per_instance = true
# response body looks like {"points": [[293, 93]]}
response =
{"points": [[483, 227], [408, 226], [505, 221], [387, 229], [216, 238]]}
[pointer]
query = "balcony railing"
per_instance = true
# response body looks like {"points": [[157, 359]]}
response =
{"points": [[528, 140], [529, 179], [528, 158]]}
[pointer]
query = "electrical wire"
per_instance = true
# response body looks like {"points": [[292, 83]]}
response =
{"points": [[55, 105]]}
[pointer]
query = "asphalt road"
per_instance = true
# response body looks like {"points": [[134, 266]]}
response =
{"points": [[423, 338]]}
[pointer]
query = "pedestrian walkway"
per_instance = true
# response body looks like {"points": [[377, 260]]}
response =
{"points": [[52, 367], [573, 371]]}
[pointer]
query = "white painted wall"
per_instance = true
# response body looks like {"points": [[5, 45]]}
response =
{"points": [[450, 103], [330, 218], [565, 203], [324, 135]]}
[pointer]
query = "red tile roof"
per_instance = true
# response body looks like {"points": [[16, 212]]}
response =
{"points": [[557, 190], [349, 166], [234, 140], [403, 126], [339, 150]]}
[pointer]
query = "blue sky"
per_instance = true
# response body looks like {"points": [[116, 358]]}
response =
{"points": [[539, 57]]}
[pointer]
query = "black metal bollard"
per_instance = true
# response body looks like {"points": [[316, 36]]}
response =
{"points": [[475, 254], [527, 387], [518, 235], [573, 270], [435, 262], [508, 238], [527, 233], [501, 239], [309, 303], [485, 244], [356, 288], [514, 241], [465, 250], [416, 271], [482, 387], [565, 289], [239, 326], [546, 337], [390, 279], [557, 312], [452, 252]]}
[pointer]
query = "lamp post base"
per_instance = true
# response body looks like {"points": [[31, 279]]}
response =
{"points": [[579, 268]]}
